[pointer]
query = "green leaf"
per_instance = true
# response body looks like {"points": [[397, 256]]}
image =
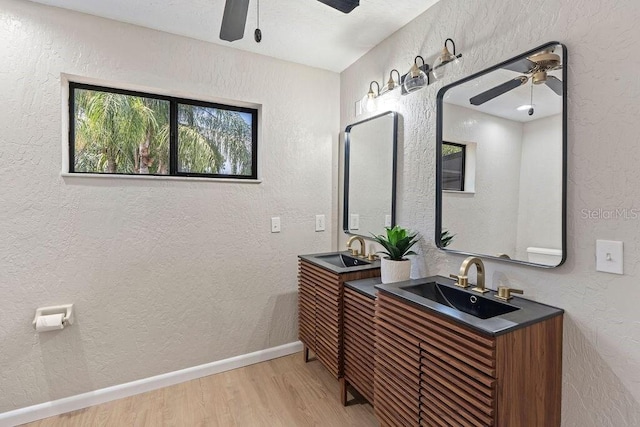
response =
{"points": [[397, 242]]}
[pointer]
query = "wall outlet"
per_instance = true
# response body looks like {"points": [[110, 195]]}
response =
{"points": [[319, 222], [609, 256], [354, 222], [387, 220], [275, 224]]}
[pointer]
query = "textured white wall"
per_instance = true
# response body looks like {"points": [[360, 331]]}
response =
{"points": [[497, 183], [540, 209], [164, 274], [601, 372]]}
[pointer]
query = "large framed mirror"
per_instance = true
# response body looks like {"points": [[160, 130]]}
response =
{"points": [[501, 160], [370, 175]]}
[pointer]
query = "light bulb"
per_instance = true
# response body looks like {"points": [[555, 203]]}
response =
{"points": [[415, 79], [370, 103], [525, 107], [446, 57]]}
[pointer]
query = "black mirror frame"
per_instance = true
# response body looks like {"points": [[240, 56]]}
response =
{"points": [[347, 161], [439, 136]]}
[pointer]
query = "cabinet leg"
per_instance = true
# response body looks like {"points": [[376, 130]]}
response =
{"points": [[343, 391], [305, 353]]}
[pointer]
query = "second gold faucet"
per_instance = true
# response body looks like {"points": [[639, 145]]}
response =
{"points": [[463, 276]]}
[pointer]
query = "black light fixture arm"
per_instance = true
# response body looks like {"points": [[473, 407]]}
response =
{"points": [[391, 84], [453, 44], [377, 93], [452, 55]]}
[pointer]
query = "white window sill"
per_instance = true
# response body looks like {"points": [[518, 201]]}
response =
{"points": [[157, 178], [458, 192]]}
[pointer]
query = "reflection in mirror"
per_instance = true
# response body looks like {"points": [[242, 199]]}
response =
{"points": [[369, 177], [501, 163]]}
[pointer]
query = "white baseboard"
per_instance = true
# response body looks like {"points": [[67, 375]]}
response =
{"points": [[84, 400]]}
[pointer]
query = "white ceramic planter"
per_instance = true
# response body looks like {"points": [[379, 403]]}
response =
{"points": [[395, 271]]}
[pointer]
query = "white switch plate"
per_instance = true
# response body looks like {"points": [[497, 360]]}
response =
{"points": [[609, 256], [387, 220], [359, 108], [319, 222], [354, 223], [275, 224]]}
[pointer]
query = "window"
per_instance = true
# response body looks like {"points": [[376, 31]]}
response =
{"points": [[114, 131], [453, 158]]}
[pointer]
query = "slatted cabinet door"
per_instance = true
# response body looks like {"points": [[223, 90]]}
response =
{"points": [[457, 368], [307, 313], [359, 342], [397, 369], [320, 299], [328, 313]]}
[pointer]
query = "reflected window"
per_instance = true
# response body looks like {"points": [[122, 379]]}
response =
{"points": [[453, 159]]}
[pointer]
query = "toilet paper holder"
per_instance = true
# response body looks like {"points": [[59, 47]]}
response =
{"points": [[66, 309]]}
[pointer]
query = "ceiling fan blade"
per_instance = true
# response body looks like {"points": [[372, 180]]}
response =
{"points": [[234, 20], [555, 84], [344, 6], [498, 90], [522, 66]]}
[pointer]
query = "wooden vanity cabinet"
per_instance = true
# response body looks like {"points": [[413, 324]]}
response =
{"points": [[431, 371], [359, 341], [320, 312]]}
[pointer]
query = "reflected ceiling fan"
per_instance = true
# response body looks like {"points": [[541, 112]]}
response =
{"points": [[536, 67], [234, 18]]}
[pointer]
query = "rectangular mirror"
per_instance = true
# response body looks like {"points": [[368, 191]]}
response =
{"points": [[370, 175], [501, 160]]}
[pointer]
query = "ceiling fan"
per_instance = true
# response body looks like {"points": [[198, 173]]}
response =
{"points": [[536, 68], [234, 18]]}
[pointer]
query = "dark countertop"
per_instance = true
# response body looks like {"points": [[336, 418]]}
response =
{"points": [[313, 259], [529, 312], [366, 287]]}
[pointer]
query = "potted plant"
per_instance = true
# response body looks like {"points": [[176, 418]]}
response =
{"points": [[446, 238], [397, 243]]}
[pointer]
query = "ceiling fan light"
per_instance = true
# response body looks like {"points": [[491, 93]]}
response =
{"points": [[539, 78]]}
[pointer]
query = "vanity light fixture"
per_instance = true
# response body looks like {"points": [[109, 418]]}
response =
{"points": [[369, 103], [445, 58], [391, 84], [389, 95], [416, 78]]}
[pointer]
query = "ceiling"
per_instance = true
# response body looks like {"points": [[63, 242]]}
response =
{"points": [[303, 31], [545, 101]]}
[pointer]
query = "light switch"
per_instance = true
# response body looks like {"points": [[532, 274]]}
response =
{"points": [[319, 222], [387, 220], [275, 224], [609, 256], [359, 108], [354, 224]]}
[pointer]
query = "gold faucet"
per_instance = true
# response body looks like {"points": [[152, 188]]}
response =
{"points": [[363, 248], [463, 279]]}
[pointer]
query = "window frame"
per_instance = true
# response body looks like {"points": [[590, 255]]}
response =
{"points": [[173, 134], [463, 166]]}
